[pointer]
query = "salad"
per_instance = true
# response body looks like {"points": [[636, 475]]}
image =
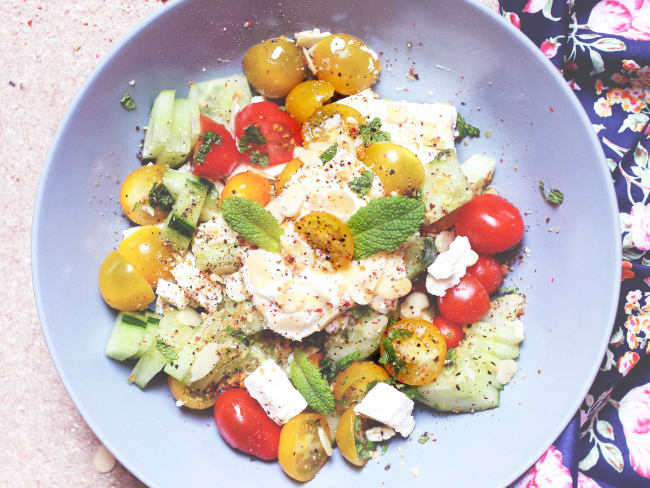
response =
{"points": [[312, 260]]}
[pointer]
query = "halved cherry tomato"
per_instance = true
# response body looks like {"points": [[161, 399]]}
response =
{"points": [[280, 133], [491, 223], [122, 286], [215, 160], [134, 195], [451, 331], [146, 252], [301, 452], [249, 185], [347, 437], [466, 302], [488, 271], [244, 425], [324, 231], [352, 383], [194, 400]]}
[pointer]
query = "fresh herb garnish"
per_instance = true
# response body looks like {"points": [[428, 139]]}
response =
{"points": [[365, 448], [240, 335], [554, 197], [252, 137], [389, 357], [329, 153], [128, 102], [384, 224], [258, 159], [424, 438], [160, 197], [451, 355], [371, 132], [465, 129], [308, 380], [361, 311], [508, 290], [362, 184], [208, 138], [253, 222], [283, 108], [168, 352], [410, 391], [329, 369]]}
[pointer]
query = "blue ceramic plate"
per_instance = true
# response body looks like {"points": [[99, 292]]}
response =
{"points": [[463, 53]]}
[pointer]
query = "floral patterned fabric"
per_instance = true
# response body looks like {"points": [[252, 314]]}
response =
{"points": [[602, 47]]}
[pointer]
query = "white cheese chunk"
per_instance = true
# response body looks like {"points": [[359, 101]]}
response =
{"points": [[379, 433], [389, 406], [450, 266], [171, 293], [270, 386], [414, 305], [204, 291]]}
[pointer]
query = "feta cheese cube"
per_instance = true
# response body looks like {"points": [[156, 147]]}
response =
{"points": [[450, 266], [270, 386], [379, 433], [171, 293], [389, 406]]}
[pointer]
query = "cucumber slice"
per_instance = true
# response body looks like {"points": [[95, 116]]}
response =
{"points": [[148, 366], [174, 181], [362, 335], [179, 143], [195, 113], [445, 187], [181, 223], [159, 125], [173, 333], [216, 97], [126, 335]]}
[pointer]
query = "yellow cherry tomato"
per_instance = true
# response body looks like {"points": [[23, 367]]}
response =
{"points": [[249, 185], [346, 62], [301, 453], [146, 252], [306, 97], [122, 286], [134, 195], [399, 169], [313, 128], [274, 67], [420, 351], [191, 399], [330, 234], [347, 436], [352, 383], [287, 172]]}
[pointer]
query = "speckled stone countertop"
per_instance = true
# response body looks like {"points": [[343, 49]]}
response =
{"points": [[47, 50]]}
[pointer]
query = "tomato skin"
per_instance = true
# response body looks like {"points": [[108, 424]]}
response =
{"points": [[134, 195], [250, 186], [244, 425], [491, 223], [488, 271], [451, 331], [122, 286], [222, 158], [466, 302], [281, 131]]}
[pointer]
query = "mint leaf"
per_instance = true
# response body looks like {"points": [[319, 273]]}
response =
{"points": [[329, 153], [389, 356], [554, 197], [258, 159], [384, 224], [362, 184], [207, 139], [160, 197], [371, 132], [168, 352], [310, 383], [240, 335], [252, 136], [364, 447], [361, 311], [253, 222], [128, 102], [465, 129]]}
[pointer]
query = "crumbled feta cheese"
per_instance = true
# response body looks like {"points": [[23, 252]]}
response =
{"points": [[379, 433], [414, 305], [235, 288], [389, 406], [171, 293], [270, 386], [206, 292], [450, 266]]}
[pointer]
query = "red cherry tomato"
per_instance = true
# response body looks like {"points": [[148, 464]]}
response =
{"points": [[244, 425], [466, 302], [451, 331], [221, 159], [488, 271], [491, 223], [280, 133]]}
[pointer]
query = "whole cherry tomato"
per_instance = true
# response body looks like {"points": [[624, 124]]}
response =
{"points": [[266, 134], [491, 223], [451, 331], [466, 302], [488, 271], [244, 425], [215, 153]]}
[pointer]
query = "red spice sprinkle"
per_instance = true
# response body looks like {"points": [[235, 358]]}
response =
{"points": [[29, 23], [551, 109]]}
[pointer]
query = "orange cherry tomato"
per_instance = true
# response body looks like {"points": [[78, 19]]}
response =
{"points": [[249, 185]]}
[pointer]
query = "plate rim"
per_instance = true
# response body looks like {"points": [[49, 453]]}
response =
{"points": [[169, 10]]}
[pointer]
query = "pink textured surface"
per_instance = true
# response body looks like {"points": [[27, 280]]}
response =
{"points": [[47, 49]]}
